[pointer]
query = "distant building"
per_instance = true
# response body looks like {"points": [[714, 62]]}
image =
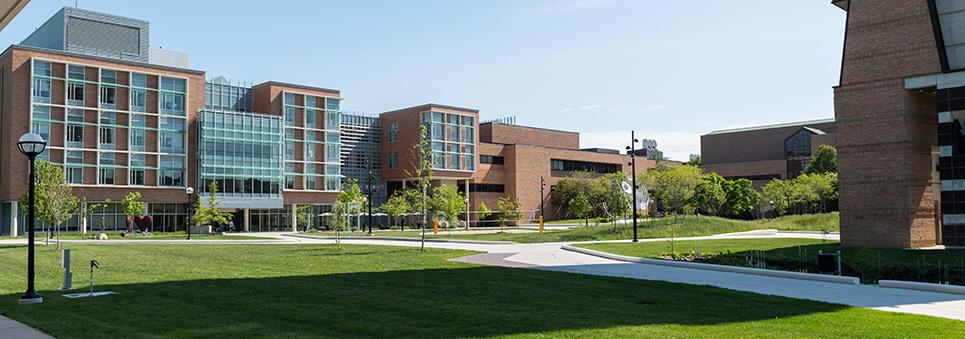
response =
{"points": [[648, 149], [762, 153]]}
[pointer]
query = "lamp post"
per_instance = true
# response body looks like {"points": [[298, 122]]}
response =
{"points": [[370, 197], [189, 191], [31, 145], [542, 187], [633, 178]]}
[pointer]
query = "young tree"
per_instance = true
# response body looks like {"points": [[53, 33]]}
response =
{"points": [[709, 194], [695, 160], [423, 171], [741, 198], [484, 212], [349, 198], [303, 214], [86, 210], [580, 207], [447, 200], [777, 193], [53, 198], [825, 160], [396, 206], [133, 206], [673, 187], [210, 214], [508, 210]]}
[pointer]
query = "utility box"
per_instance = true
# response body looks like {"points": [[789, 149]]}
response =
{"points": [[829, 262]]}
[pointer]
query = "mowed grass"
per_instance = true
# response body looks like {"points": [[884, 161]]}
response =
{"points": [[707, 248], [296, 291], [115, 235], [659, 228]]}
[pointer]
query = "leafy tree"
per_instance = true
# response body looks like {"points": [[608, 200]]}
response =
{"points": [[303, 215], [447, 200], [825, 160], [349, 200], [508, 210], [695, 160], [210, 214], [396, 205], [87, 209], [484, 211], [133, 204], [54, 200], [580, 207], [709, 194], [777, 193], [741, 198], [423, 171], [673, 187]]}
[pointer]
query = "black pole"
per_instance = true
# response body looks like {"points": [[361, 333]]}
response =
{"points": [[542, 185], [633, 176], [190, 209], [370, 199], [30, 296]]}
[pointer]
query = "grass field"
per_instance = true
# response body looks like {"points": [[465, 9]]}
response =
{"points": [[681, 227], [869, 264], [113, 235], [297, 291]]}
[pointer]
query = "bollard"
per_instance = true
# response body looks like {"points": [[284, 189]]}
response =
{"points": [[93, 264], [541, 225], [435, 226]]}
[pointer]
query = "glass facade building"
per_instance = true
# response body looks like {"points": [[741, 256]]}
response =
{"points": [[452, 139], [312, 142]]}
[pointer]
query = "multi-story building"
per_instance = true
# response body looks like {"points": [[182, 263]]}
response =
{"points": [[763, 153], [117, 120]]}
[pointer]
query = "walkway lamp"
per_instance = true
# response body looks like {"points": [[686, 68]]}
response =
{"points": [[189, 191], [31, 145], [633, 175], [370, 196]]}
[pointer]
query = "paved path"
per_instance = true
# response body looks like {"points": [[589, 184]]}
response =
{"points": [[15, 330]]}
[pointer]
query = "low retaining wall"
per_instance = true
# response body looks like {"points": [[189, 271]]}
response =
{"points": [[922, 286], [722, 268]]}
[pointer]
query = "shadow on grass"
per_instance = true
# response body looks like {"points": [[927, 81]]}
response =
{"points": [[458, 302]]}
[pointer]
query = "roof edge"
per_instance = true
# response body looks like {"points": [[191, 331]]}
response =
{"points": [[287, 84], [99, 58], [771, 126]]}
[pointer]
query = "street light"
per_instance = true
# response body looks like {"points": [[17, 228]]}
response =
{"points": [[542, 186], [633, 175], [369, 165], [31, 145], [189, 191]]}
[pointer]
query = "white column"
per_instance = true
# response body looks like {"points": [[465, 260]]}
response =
{"points": [[83, 218], [247, 224], [294, 218], [468, 204], [14, 220]]}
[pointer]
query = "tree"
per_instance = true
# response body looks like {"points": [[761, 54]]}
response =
{"points": [[741, 198], [709, 194], [396, 205], [87, 210], [508, 210], [484, 211], [825, 160], [132, 207], [673, 187], [54, 200], [447, 200], [777, 193], [303, 216], [423, 171], [210, 214], [580, 207], [349, 199], [695, 160]]}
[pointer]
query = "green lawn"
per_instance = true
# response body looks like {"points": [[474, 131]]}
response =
{"points": [[297, 291], [868, 264], [681, 227], [113, 235]]}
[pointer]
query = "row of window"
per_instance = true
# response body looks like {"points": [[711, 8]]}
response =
{"points": [[487, 188], [491, 159], [171, 101], [171, 132], [583, 166]]}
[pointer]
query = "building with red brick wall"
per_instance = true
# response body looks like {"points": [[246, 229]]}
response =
{"points": [[763, 153]]}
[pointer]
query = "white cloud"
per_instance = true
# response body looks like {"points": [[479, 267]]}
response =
{"points": [[566, 110], [583, 108], [654, 108], [675, 145]]}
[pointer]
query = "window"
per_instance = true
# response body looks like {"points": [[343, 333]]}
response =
{"points": [[41, 91], [468, 121], [333, 183], [310, 118], [309, 176], [41, 122], [331, 153], [393, 159], [137, 164], [75, 136], [139, 80], [171, 171], [75, 72], [139, 100], [105, 176], [393, 132], [454, 160], [42, 68], [138, 123], [437, 132], [290, 116], [798, 144], [107, 96], [73, 172], [572, 165], [289, 99], [75, 92], [106, 162], [470, 162], [332, 120], [106, 132], [491, 159], [470, 138], [172, 135], [309, 101], [172, 96], [332, 104], [108, 76], [487, 188], [454, 133]]}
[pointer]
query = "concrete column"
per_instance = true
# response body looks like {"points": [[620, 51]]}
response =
{"points": [[468, 204], [83, 218], [294, 218], [247, 224], [14, 220], [403, 183]]}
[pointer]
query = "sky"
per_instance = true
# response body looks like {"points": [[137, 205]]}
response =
{"points": [[669, 70]]}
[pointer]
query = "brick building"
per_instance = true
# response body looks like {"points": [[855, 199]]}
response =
{"points": [[763, 153], [118, 118]]}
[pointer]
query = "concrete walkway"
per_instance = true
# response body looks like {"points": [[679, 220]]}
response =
{"points": [[15, 330]]}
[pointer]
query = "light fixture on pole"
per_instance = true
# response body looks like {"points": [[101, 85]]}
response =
{"points": [[31, 145], [633, 175], [189, 191], [369, 165]]}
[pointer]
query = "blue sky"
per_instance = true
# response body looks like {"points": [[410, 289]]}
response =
{"points": [[671, 70]]}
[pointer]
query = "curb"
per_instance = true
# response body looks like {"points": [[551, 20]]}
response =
{"points": [[480, 242], [721, 268], [921, 286]]}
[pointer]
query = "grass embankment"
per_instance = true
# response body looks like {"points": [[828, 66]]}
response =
{"points": [[366, 291], [660, 228], [869, 264]]}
